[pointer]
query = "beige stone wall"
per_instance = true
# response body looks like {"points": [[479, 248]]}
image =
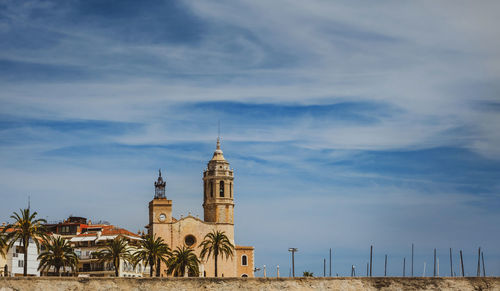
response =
{"points": [[154, 284], [175, 233], [248, 268], [158, 207]]}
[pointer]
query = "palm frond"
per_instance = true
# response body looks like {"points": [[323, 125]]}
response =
{"points": [[58, 254], [151, 251], [182, 259]]}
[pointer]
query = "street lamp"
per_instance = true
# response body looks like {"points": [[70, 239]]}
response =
{"points": [[293, 250]]}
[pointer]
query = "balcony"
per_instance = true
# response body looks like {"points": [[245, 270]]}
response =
{"points": [[85, 257]]}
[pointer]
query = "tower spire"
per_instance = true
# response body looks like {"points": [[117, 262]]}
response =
{"points": [[160, 186]]}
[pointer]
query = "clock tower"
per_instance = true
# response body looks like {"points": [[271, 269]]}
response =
{"points": [[160, 209]]}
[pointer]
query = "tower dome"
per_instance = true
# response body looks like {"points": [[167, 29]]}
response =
{"points": [[218, 156]]}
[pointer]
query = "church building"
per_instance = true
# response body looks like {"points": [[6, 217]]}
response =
{"points": [[218, 209]]}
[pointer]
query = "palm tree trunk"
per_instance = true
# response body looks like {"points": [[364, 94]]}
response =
{"points": [[57, 272], [26, 243], [216, 254], [117, 267], [158, 267], [151, 264]]}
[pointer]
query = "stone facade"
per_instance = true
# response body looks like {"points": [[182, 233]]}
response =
{"points": [[218, 206], [245, 263]]}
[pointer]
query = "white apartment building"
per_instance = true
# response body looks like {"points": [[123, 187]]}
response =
{"points": [[14, 260]]}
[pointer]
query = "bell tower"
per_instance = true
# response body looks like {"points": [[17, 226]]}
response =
{"points": [[218, 195], [160, 209]]}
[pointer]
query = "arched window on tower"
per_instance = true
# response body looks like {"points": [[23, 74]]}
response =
{"points": [[230, 190], [221, 190], [211, 189], [244, 260]]}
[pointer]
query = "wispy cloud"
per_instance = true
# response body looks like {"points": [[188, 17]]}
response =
{"points": [[376, 121]]}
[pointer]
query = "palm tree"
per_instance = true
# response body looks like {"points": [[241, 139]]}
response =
{"points": [[117, 249], [153, 251], [214, 244], [307, 274], [26, 227], [58, 253], [182, 259]]}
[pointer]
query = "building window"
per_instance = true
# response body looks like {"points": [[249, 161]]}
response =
{"points": [[221, 190], [211, 189], [244, 260], [189, 240], [230, 190], [244, 275], [20, 263]]}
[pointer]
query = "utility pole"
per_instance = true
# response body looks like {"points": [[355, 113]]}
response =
{"points": [[462, 263], [484, 270], [371, 255], [404, 266], [451, 265], [385, 267], [330, 262], [412, 260], [293, 250], [324, 267], [434, 275], [479, 262]]}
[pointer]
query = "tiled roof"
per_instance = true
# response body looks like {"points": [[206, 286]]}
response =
{"points": [[8, 230], [109, 230], [116, 231]]}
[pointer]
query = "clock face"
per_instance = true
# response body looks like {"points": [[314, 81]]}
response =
{"points": [[162, 217]]}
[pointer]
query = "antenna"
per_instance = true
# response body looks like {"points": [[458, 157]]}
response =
{"points": [[218, 130]]}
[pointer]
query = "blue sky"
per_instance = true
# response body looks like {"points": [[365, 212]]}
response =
{"points": [[347, 123]]}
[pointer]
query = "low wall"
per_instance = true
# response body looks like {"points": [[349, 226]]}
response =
{"points": [[136, 284]]}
